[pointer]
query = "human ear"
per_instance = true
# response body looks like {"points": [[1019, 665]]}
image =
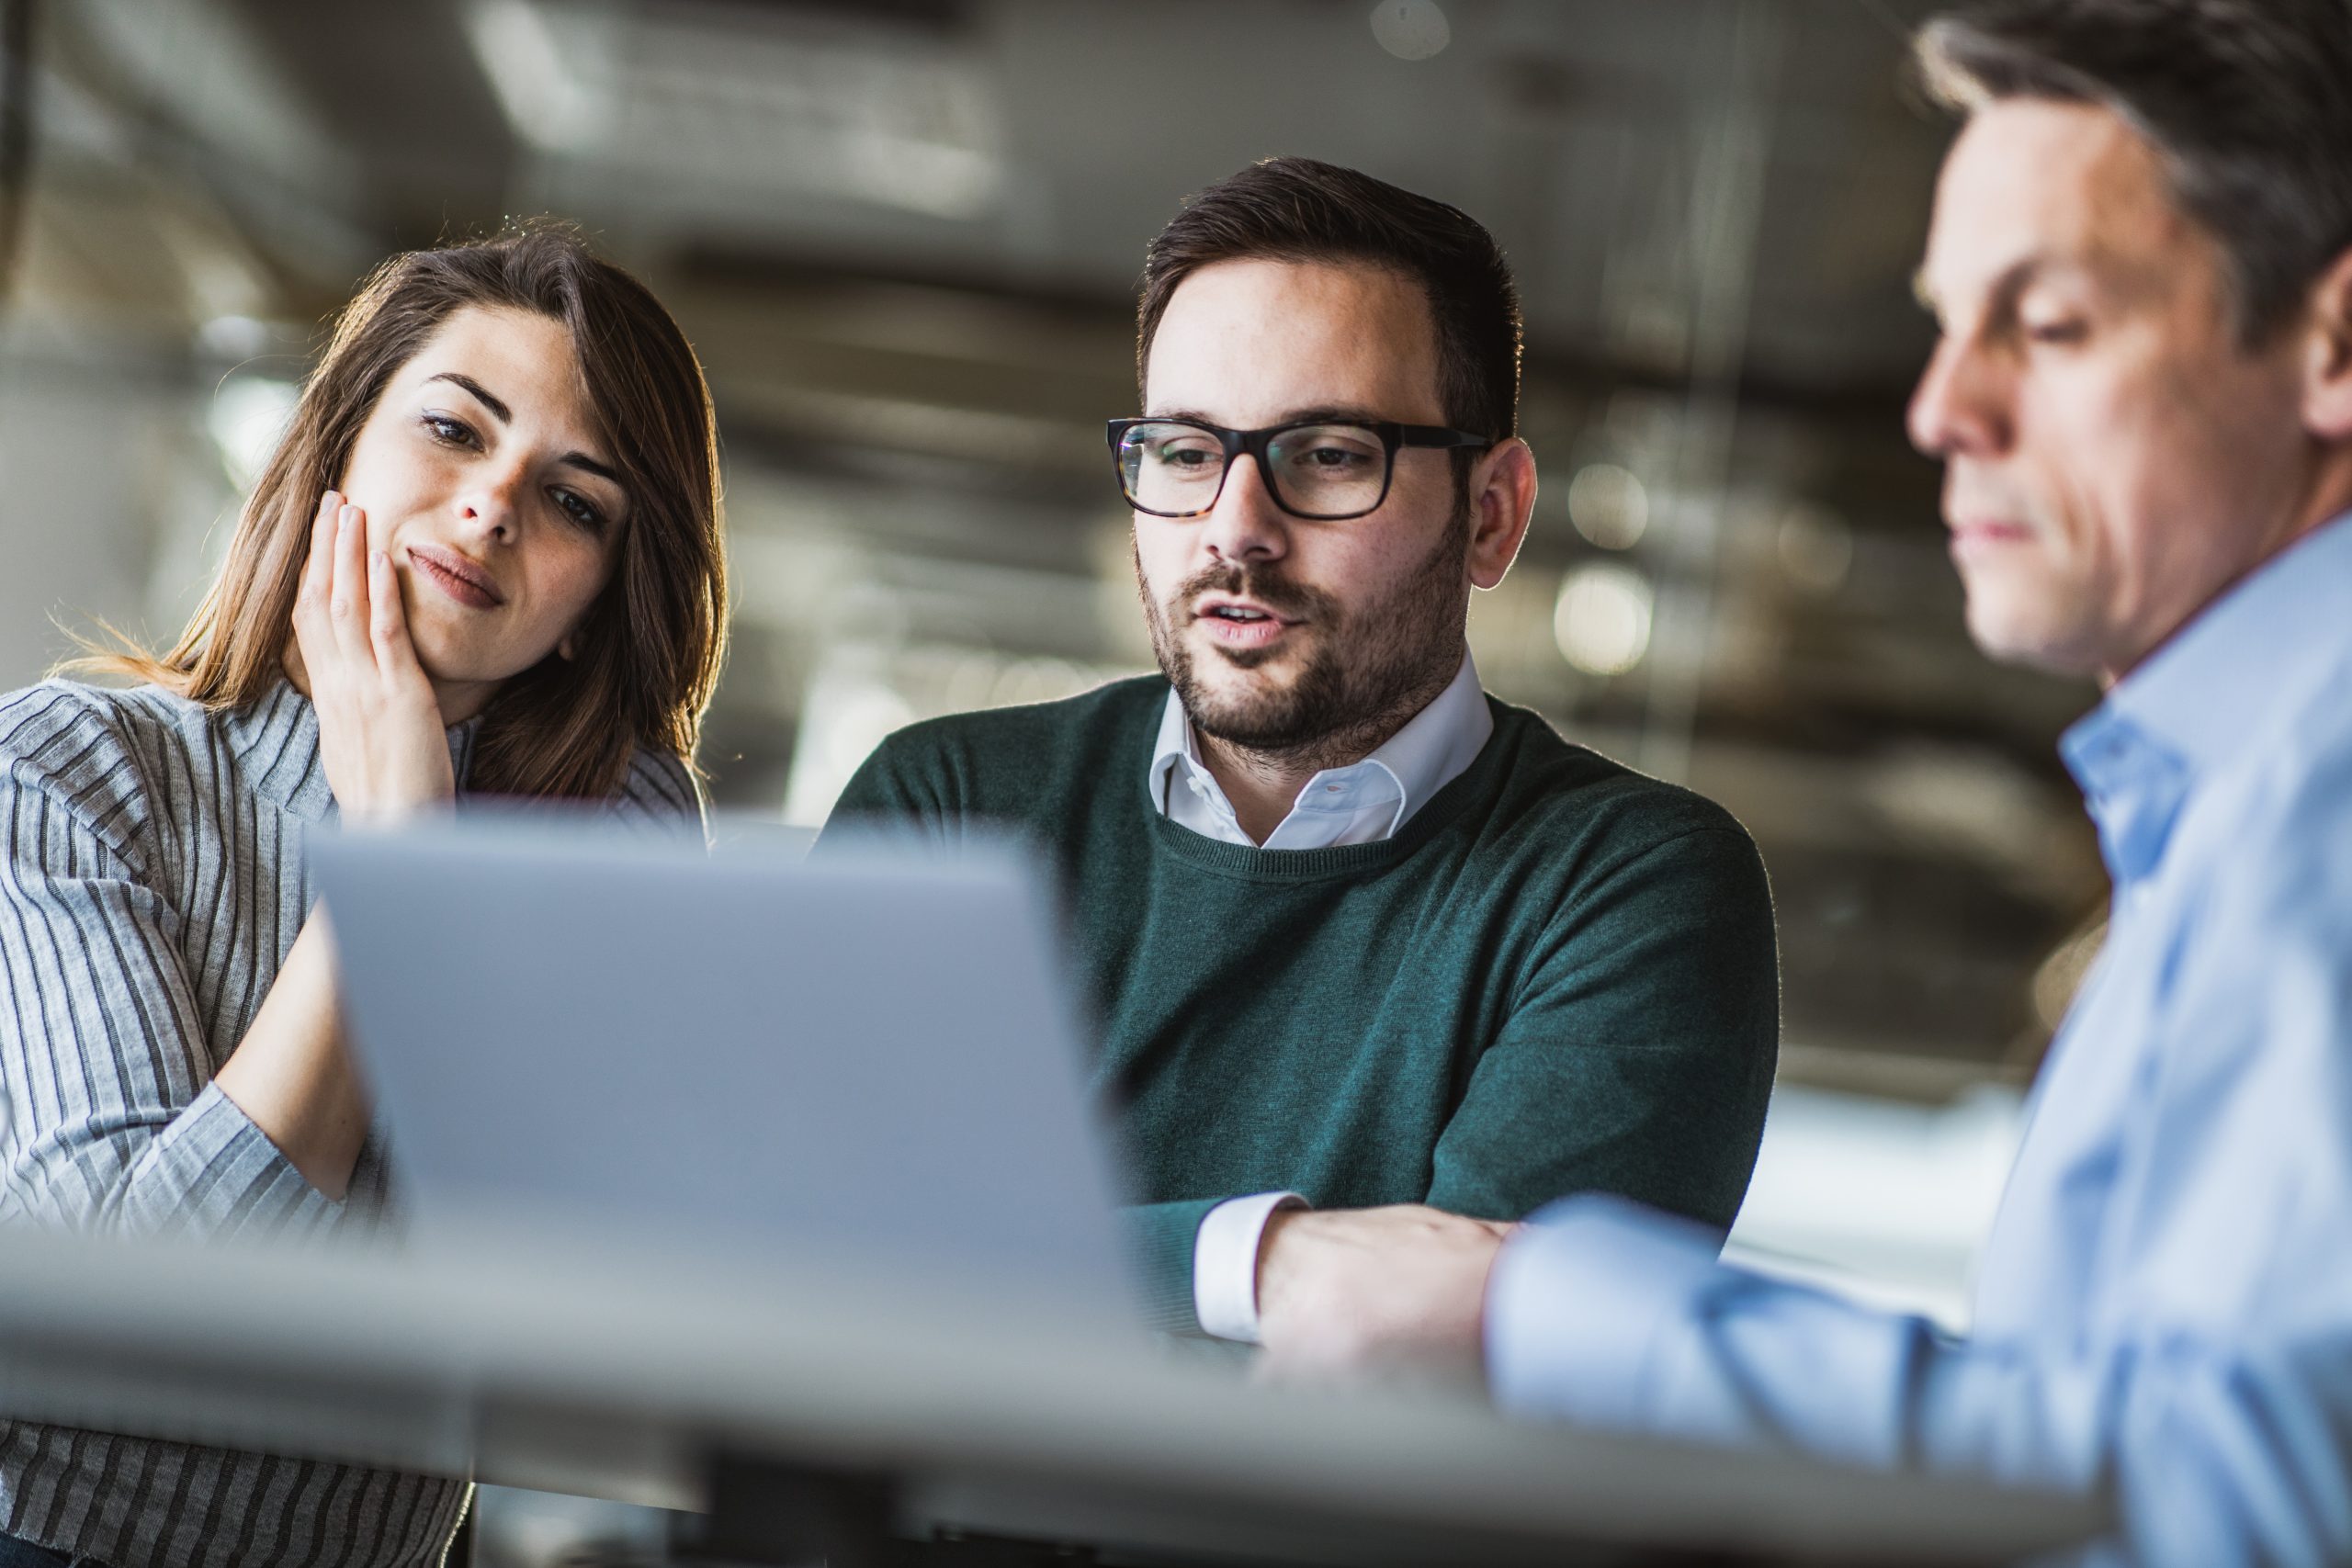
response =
{"points": [[2327, 354], [1502, 496]]}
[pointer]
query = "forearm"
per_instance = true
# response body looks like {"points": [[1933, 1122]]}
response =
{"points": [[291, 1074], [1350, 1292]]}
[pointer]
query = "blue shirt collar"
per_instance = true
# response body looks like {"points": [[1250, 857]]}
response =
{"points": [[2195, 706]]}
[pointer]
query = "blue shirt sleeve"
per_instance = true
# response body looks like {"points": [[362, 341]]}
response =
{"points": [[1602, 1313], [1609, 1314]]}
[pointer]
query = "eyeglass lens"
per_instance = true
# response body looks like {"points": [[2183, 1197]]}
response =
{"points": [[1319, 471]]}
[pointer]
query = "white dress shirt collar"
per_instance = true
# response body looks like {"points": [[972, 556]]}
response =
{"points": [[1360, 804]]}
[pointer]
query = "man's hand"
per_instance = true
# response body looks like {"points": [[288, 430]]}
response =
{"points": [[1351, 1292]]}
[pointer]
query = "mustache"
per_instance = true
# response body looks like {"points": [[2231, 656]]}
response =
{"points": [[1277, 593]]}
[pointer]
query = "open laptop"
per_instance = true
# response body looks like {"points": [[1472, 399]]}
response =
{"points": [[868, 1057]]}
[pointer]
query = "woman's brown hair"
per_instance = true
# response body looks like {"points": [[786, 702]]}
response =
{"points": [[647, 655]]}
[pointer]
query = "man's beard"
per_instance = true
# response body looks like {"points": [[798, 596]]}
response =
{"points": [[1369, 669]]}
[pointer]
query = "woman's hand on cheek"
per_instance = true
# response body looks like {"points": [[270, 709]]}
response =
{"points": [[380, 736]]}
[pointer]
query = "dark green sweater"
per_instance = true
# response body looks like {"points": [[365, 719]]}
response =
{"points": [[1558, 977]]}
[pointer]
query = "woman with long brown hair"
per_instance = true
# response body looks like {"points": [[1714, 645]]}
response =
{"points": [[486, 558]]}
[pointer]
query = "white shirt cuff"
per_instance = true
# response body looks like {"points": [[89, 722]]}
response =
{"points": [[1225, 1263]]}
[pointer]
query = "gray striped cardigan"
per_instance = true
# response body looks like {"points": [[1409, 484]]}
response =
{"points": [[151, 883]]}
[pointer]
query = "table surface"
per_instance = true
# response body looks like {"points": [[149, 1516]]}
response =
{"points": [[618, 1368]]}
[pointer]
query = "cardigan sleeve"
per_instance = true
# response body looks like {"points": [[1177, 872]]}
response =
{"points": [[112, 1122]]}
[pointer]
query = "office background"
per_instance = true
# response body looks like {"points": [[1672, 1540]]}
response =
{"points": [[903, 234]]}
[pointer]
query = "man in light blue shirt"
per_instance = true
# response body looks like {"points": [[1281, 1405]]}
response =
{"points": [[2143, 396]]}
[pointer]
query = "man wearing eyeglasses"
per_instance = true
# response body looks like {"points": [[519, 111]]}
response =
{"points": [[1356, 936]]}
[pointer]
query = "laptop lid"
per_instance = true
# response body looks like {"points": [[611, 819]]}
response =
{"points": [[866, 1057]]}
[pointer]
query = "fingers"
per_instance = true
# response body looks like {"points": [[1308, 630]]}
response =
{"points": [[348, 600], [313, 639], [387, 622], [318, 559], [347, 613]]}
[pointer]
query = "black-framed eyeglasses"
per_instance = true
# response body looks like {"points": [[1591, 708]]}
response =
{"points": [[1325, 470]]}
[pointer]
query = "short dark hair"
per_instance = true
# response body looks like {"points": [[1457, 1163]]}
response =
{"points": [[2246, 103], [1301, 210]]}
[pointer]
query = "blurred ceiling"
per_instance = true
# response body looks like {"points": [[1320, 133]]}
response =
{"points": [[904, 234], [1030, 146]]}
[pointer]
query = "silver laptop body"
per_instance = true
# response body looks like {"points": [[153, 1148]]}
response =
{"points": [[867, 1059]]}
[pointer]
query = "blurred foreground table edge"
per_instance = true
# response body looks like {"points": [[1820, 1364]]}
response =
{"points": [[830, 1410]]}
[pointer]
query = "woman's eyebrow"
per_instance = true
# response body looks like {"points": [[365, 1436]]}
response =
{"points": [[581, 460], [505, 415]]}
